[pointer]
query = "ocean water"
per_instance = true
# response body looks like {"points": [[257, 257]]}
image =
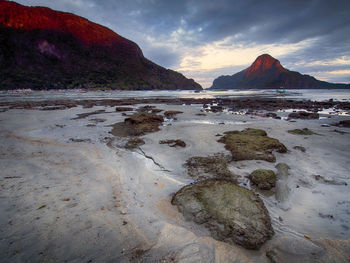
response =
{"points": [[308, 94]]}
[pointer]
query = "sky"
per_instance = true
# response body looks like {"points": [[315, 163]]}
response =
{"points": [[204, 39]]}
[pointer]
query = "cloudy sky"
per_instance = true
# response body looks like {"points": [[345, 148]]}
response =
{"points": [[204, 39]]}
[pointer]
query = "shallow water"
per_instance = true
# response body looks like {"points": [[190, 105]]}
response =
{"points": [[317, 95]]}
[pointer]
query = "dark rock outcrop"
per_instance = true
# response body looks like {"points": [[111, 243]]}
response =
{"points": [[267, 73], [344, 123], [264, 179], [174, 143], [230, 212], [251, 144], [45, 49], [137, 124]]}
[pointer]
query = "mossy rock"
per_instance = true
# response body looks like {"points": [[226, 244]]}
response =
{"points": [[230, 212], [252, 144], [304, 131], [215, 166], [264, 179], [137, 124]]}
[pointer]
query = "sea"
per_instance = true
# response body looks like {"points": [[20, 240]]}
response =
{"points": [[296, 94]]}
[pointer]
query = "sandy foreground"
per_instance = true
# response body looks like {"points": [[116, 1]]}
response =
{"points": [[70, 193]]}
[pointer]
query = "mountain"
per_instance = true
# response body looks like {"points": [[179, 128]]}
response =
{"points": [[267, 73], [45, 49]]}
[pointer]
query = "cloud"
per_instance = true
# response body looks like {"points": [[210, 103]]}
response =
{"points": [[221, 54], [211, 36]]}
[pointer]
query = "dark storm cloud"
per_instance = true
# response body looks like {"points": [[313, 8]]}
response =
{"points": [[246, 22]]}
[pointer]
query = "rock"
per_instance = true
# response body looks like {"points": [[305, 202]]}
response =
{"points": [[156, 111], [97, 120], [271, 114], [134, 143], [171, 113], [87, 114], [264, 179], [345, 123], [304, 131], [230, 212], [341, 132], [273, 256], [121, 109], [216, 109], [173, 143], [303, 115], [137, 124], [300, 148], [146, 109], [215, 166], [251, 144], [79, 140], [282, 189], [282, 170]]}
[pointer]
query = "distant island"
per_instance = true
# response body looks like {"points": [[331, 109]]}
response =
{"points": [[267, 73], [45, 49]]}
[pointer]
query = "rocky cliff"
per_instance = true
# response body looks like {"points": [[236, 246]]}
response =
{"points": [[45, 49]]}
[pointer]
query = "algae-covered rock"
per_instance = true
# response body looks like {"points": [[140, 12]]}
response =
{"points": [[214, 166], [304, 131], [252, 144], [230, 212], [137, 124], [264, 179]]}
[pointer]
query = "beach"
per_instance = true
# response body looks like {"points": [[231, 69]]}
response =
{"points": [[72, 192]]}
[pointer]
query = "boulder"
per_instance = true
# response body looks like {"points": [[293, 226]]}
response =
{"points": [[230, 212], [251, 144], [264, 179], [137, 124]]}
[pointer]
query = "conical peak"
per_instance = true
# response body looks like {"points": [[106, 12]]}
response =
{"points": [[263, 63]]}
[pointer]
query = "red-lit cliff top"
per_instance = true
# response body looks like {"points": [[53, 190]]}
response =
{"points": [[264, 63], [17, 16]]}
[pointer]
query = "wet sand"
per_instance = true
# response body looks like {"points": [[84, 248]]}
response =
{"points": [[70, 192]]}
